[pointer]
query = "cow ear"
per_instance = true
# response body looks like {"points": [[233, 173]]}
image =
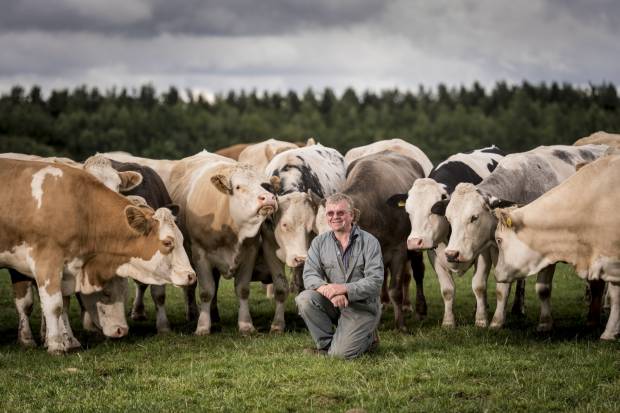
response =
{"points": [[439, 207], [174, 208], [222, 183], [310, 142], [276, 183], [504, 218], [494, 202], [137, 200], [317, 201], [129, 180], [138, 220], [397, 200]]}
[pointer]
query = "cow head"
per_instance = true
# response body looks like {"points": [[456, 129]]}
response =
{"points": [[516, 259], [104, 311], [425, 203], [472, 223], [293, 226], [168, 262], [250, 196], [101, 168]]}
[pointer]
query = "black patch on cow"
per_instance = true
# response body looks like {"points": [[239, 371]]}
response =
{"points": [[152, 188], [452, 173], [563, 156], [308, 180], [491, 166], [268, 187], [439, 207], [586, 155]]}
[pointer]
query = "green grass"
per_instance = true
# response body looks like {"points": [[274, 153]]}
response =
{"points": [[429, 369]]}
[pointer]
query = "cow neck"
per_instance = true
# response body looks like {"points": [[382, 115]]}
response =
{"points": [[109, 241]]}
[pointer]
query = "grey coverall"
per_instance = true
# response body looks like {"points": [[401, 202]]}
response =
{"points": [[363, 278]]}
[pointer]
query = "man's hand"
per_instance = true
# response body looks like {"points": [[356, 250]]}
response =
{"points": [[329, 291], [340, 301]]}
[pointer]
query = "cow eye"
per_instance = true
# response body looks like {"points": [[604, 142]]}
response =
{"points": [[499, 241], [168, 243], [473, 218], [284, 225], [238, 187]]}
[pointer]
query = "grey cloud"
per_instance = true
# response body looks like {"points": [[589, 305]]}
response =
{"points": [[195, 17]]}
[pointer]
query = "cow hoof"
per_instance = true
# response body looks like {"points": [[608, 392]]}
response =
{"points": [[608, 337], [482, 323], [72, 344], [202, 331], [448, 325], [246, 329], [138, 316], [544, 327], [276, 329], [408, 308], [163, 330]]}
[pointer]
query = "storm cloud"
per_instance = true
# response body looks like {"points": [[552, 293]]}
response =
{"points": [[213, 46]]}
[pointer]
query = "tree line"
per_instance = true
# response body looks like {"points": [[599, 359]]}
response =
{"points": [[173, 124]]}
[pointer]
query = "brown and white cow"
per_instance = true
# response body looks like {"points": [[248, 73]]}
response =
{"points": [[110, 317], [370, 181], [223, 204], [70, 233], [577, 222]]}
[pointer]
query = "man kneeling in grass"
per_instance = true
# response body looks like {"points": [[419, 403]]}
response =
{"points": [[342, 275]]}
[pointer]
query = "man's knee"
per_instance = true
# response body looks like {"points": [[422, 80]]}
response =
{"points": [[306, 299], [346, 351]]}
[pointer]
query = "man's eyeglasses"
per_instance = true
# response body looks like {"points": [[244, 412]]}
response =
{"points": [[336, 213]]}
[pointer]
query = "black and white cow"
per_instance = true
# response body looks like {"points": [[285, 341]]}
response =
{"points": [[518, 179], [301, 178], [425, 204], [154, 193], [370, 181]]}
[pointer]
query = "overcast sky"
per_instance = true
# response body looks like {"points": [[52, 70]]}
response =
{"points": [[213, 46]]}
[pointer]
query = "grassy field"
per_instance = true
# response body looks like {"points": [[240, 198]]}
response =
{"points": [[429, 369]]}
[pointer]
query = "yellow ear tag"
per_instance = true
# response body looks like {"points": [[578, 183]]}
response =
{"points": [[401, 204], [509, 222]]}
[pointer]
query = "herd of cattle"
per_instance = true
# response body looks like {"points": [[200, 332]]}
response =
{"points": [[250, 213]]}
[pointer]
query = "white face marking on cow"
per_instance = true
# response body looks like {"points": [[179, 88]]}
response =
{"points": [[293, 227], [427, 229], [471, 221], [172, 267], [37, 182], [516, 259], [106, 308]]}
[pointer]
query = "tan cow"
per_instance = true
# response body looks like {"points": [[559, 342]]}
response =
{"points": [[233, 151], [70, 233], [577, 222], [600, 138], [395, 145], [223, 205], [260, 154]]}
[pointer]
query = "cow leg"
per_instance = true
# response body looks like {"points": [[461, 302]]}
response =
{"points": [[385, 296], [137, 309], [406, 284], [502, 292], [69, 340], [395, 288], [191, 307], [597, 288], [446, 286], [543, 289], [206, 285], [416, 259], [23, 296], [158, 293], [215, 312], [280, 284], [518, 306], [479, 286], [52, 308], [613, 323], [242, 289]]}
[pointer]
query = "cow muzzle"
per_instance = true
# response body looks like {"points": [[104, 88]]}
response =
{"points": [[116, 332], [452, 256], [415, 244], [184, 278]]}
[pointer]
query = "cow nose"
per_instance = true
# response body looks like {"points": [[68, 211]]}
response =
{"points": [[191, 277], [120, 332], [452, 256], [266, 198], [299, 259], [414, 243]]}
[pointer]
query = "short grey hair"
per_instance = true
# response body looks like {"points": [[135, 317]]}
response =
{"points": [[339, 197]]}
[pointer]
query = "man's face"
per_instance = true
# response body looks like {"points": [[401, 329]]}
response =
{"points": [[339, 216]]}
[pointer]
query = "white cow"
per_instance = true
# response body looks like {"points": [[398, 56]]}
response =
{"points": [[395, 145]]}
